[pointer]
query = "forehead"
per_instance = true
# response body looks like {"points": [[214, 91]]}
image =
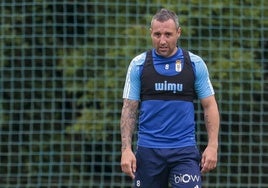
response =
{"points": [[168, 25]]}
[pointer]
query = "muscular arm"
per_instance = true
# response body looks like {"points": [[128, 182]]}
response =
{"points": [[127, 127], [128, 122], [212, 121]]}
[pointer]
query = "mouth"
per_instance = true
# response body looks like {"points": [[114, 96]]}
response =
{"points": [[163, 48]]}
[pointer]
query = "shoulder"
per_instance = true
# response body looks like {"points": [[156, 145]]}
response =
{"points": [[136, 64], [198, 63], [203, 86], [195, 58], [139, 59]]}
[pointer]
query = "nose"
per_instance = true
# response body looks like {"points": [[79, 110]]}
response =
{"points": [[163, 40]]}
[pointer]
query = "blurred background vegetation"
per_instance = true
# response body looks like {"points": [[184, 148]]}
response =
{"points": [[63, 65]]}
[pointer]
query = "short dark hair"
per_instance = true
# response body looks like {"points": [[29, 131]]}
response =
{"points": [[164, 15]]}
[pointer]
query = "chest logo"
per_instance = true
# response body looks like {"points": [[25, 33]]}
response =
{"points": [[178, 66]]}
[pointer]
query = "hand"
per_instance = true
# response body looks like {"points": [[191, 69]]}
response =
{"points": [[128, 163], [209, 159]]}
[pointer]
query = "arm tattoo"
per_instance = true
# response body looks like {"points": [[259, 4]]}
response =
{"points": [[128, 122], [206, 118]]}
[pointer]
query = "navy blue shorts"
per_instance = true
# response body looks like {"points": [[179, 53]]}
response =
{"points": [[159, 168]]}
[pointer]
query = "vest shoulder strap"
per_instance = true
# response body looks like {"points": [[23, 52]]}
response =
{"points": [[149, 56], [186, 56]]}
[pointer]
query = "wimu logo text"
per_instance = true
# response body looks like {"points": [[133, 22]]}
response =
{"points": [[166, 86]]}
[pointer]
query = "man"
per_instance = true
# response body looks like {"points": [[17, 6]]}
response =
{"points": [[160, 87]]}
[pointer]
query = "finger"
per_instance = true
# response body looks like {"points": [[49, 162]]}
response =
{"points": [[132, 175], [129, 169], [126, 168], [203, 169], [203, 161], [134, 167], [208, 165], [204, 164], [206, 168], [129, 172]]}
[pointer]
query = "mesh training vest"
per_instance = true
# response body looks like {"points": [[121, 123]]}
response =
{"points": [[155, 86]]}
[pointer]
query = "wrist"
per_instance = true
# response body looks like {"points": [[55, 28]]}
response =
{"points": [[213, 145], [125, 148]]}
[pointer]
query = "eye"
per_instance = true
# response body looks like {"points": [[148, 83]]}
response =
{"points": [[168, 34], [157, 35]]}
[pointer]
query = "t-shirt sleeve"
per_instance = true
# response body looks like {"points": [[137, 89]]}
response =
{"points": [[132, 85], [203, 86]]}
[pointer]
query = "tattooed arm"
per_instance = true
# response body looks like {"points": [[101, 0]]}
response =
{"points": [[127, 126], [212, 121]]}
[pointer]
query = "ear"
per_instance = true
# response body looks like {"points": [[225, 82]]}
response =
{"points": [[179, 32]]}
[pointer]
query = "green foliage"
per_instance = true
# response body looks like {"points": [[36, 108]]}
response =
{"points": [[63, 67]]}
